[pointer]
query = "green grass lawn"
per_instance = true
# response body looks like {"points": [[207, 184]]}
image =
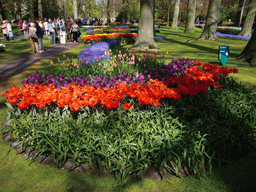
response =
{"points": [[18, 175], [16, 48]]}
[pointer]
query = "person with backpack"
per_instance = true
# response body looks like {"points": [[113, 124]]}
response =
{"points": [[75, 30], [62, 30], [40, 34], [33, 38]]}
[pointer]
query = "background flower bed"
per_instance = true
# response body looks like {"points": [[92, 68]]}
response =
{"points": [[232, 36]]}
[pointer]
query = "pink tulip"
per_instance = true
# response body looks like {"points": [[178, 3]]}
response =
{"points": [[115, 65]]}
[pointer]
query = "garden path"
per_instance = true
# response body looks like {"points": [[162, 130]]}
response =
{"points": [[9, 69]]}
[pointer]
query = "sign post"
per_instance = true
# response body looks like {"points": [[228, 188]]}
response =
{"points": [[223, 54]]}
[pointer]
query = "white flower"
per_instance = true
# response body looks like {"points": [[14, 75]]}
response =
{"points": [[2, 45]]}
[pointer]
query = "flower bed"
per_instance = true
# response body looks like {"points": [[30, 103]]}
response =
{"points": [[147, 93], [113, 35], [123, 119], [95, 52], [232, 36], [121, 27]]}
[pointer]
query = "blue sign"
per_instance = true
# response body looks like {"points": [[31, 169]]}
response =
{"points": [[223, 54]]}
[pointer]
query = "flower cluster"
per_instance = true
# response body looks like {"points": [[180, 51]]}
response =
{"points": [[95, 53], [172, 69], [158, 38], [75, 97], [113, 35], [232, 36], [121, 27]]}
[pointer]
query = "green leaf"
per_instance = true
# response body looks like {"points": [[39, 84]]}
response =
{"points": [[9, 106]]}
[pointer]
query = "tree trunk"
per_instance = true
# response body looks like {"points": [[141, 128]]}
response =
{"points": [[176, 14], [40, 10], [145, 39], [90, 8], [75, 9], [249, 53], [210, 29], [2, 11], [168, 13], [190, 16], [238, 13], [108, 12], [128, 12], [247, 28], [31, 11]]}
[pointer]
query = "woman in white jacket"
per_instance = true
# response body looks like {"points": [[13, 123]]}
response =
{"points": [[9, 30]]}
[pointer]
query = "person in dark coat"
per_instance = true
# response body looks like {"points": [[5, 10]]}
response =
{"points": [[40, 34]]}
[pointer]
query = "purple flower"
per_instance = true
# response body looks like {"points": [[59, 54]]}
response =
{"points": [[125, 74], [119, 81], [174, 60], [133, 74], [149, 77], [46, 74]]}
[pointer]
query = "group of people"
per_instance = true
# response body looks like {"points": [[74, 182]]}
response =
{"points": [[7, 30], [60, 31]]}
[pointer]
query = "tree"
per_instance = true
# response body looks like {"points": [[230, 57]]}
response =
{"points": [[145, 39], [190, 16], [239, 13], [108, 12], [210, 29], [249, 52], [176, 14], [247, 28], [40, 10], [75, 9]]}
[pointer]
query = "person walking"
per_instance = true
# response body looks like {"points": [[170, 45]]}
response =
{"points": [[46, 27], [68, 27], [20, 25], [4, 30], [9, 30], [33, 38], [62, 33], [51, 27], [25, 28], [74, 30], [40, 34]]}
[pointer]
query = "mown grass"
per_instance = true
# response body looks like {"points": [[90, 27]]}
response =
{"points": [[17, 174]]}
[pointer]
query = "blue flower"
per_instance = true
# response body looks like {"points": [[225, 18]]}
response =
{"points": [[232, 36]]}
